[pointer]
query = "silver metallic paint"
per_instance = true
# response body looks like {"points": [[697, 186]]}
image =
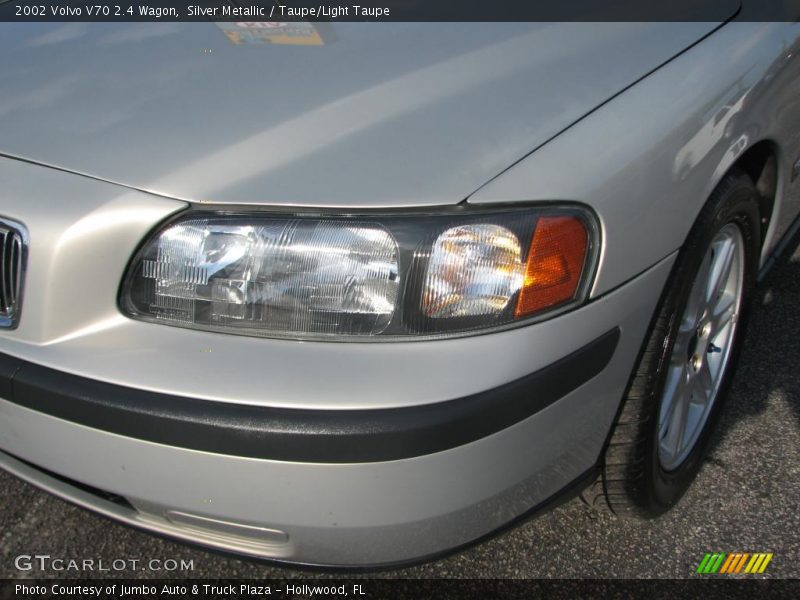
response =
{"points": [[387, 114]]}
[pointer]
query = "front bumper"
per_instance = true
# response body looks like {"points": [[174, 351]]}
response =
{"points": [[299, 435]]}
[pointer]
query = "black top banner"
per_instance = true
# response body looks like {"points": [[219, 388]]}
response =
{"points": [[277, 11]]}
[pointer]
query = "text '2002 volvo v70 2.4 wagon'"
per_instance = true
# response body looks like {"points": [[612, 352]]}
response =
{"points": [[368, 297]]}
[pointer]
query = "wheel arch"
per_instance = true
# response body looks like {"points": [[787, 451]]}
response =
{"points": [[760, 162]]}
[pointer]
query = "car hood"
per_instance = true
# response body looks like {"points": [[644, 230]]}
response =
{"points": [[344, 114]]}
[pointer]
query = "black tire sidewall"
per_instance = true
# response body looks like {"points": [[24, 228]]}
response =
{"points": [[735, 201]]}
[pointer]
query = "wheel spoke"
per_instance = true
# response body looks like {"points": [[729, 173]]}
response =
{"points": [[676, 422], [720, 270], [723, 313], [702, 385], [680, 350], [674, 387], [674, 419]]}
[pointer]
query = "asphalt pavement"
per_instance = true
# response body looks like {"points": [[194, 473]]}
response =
{"points": [[746, 497]]}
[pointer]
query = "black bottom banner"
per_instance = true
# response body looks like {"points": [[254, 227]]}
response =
{"points": [[374, 589]]}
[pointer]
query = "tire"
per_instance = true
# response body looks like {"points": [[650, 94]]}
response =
{"points": [[640, 475]]}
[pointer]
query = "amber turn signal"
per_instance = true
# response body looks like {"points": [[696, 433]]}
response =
{"points": [[555, 264]]}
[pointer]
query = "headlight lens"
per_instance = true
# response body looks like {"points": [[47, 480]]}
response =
{"points": [[360, 278]]}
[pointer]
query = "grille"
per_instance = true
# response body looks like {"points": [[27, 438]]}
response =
{"points": [[13, 250]]}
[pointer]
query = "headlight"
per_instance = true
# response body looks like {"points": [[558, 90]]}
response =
{"points": [[362, 277]]}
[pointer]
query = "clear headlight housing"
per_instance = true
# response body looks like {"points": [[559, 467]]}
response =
{"points": [[363, 277]]}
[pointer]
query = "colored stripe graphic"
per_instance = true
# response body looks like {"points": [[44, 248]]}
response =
{"points": [[758, 563], [737, 566], [731, 563], [764, 564], [711, 562], [734, 562], [727, 564], [718, 564], [752, 566], [741, 562], [703, 563]]}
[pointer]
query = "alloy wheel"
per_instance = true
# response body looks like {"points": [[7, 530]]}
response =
{"points": [[702, 347]]}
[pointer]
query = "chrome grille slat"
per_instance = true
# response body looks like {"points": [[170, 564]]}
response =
{"points": [[16, 267], [13, 251], [4, 304]]}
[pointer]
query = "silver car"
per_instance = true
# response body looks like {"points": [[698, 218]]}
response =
{"points": [[362, 294]]}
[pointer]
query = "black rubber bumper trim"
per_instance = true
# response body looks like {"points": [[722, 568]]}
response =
{"points": [[323, 436]]}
